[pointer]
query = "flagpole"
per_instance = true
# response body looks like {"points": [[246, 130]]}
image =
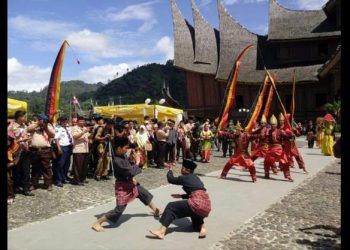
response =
{"points": [[70, 112]]}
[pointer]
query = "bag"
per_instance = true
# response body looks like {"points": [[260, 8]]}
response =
{"points": [[148, 146], [54, 150]]}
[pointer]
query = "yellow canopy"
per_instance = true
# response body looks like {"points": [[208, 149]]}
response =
{"points": [[138, 111], [13, 105]]}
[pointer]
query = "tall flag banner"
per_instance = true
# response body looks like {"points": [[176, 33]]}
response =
{"points": [[258, 106], [292, 103], [269, 98], [54, 88], [230, 93], [278, 98]]}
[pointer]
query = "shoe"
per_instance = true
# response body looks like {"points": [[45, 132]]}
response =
{"points": [[28, 193], [105, 178], [97, 178], [86, 181], [59, 184], [49, 188], [32, 187], [254, 180]]}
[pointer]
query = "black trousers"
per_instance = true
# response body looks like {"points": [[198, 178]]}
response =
{"points": [[226, 145], [21, 172], [80, 161], [310, 143], [144, 196], [180, 209], [170, 152], [161, 153]]}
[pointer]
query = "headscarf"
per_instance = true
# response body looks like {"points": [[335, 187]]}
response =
{"points": [[141, 136]]}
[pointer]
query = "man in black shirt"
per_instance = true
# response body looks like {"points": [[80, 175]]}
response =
{"points": [[196, 203], [126, 187]]}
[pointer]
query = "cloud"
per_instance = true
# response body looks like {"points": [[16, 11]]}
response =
{"points": [[142, 12], [26, 77], [260, 29], [231, 2], [107, 72], [96, 44], [311, 4], [166, 46], [205, 2], [163, 46], [37, 28]]}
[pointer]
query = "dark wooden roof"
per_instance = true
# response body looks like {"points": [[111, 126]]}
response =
{"points": [[298, 24], [333, 60], [206, 41], [184, 53], [197, 53]]}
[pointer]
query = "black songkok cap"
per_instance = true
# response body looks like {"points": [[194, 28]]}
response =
{"points": [[189, 164]]}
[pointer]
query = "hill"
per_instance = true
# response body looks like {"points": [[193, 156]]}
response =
{"points": [[134, 87]]}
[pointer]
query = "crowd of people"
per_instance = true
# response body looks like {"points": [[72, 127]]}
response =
{"points": [[71, 152], [67, 152]]}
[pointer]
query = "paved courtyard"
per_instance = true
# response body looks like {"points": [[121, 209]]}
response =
{"points": [[271, 214]]}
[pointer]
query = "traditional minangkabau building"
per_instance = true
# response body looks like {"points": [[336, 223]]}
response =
{"points": [[301, 40]]}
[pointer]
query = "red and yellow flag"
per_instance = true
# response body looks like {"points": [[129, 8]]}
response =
{"points": [[231, 90], [54, 88], [269, 99], [287, 122], [258, 106]]}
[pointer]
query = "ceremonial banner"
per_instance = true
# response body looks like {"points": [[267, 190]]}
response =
{"points": [[258, 107], [230, 92]]}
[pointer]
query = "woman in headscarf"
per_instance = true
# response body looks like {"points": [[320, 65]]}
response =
{"points": [[206, 137], [141, 140]]}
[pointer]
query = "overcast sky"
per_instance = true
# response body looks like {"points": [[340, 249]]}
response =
{"points": [[108, 36]]}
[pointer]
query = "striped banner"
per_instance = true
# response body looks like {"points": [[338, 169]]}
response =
{"points": [[54, 88], [231, 90], [258, 107]]}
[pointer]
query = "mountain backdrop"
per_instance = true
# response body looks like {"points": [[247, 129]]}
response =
{"points": [[134, 87]]}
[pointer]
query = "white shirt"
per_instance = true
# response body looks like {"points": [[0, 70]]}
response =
{"points": [[63, 135]]}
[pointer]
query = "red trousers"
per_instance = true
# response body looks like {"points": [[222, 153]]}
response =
{"points": [[276, 154], [259, 151], [206, 155], [292, 151], [239, 159]]}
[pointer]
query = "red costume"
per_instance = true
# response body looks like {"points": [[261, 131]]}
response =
{"points": [[262, 148], [241, 156], [276, 153], [289, 145]]}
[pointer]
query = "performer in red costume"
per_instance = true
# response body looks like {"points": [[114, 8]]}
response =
{"points": [[261, 133], [275, 151], [289, 145], [241, 156]]}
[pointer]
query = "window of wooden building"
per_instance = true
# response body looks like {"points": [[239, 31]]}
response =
{"points": [[288, 101], [239, 101], [320, 100]]}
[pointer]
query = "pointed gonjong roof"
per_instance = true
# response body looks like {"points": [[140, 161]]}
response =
{"points": [[196, 49], [285, 24]]}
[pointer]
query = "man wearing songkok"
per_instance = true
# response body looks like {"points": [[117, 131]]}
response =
{"points": [[241, 156], [127, 187], [195, 204]]}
